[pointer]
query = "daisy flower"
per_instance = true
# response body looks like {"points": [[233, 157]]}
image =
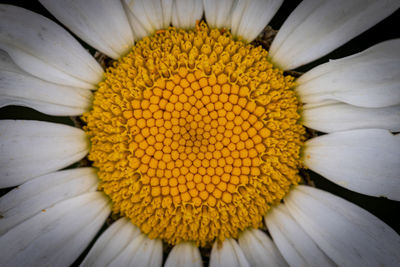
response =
{"points": [[196, 135]]}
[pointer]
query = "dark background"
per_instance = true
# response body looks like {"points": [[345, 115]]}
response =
{"points": [[384, 209]]}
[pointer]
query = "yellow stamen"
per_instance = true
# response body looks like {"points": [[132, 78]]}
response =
{"points": [[195, 135]]}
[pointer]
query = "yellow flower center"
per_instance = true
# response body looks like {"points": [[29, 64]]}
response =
{"points": [[195, 135]]}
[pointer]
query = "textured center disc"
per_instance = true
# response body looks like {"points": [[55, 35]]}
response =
{"points": [[195, 135]]}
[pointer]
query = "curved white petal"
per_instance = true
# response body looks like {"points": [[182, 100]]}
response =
{"points": [[366, 161], [44, 49], [317, 27], [349, 235], [17, 87], [42, 192], [227, 253], [148, 16], [259, 249], [32, 148], [367, 79], [218, 13], [57, 236], [141, 251], [249, 17], [184, 254], [185, 13], [296, 246], [111, 243], [100, 23], [341, 117]]}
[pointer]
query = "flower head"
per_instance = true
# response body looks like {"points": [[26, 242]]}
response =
{"points": [[196, 135]]}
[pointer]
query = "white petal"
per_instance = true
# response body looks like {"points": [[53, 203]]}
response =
{"points": [[316, 28], [227, 253], [148, 16], [250, 17], [111, 243], [167, 12], [102, 24], [366, 161], [184, 255], [259, 249], [139, 31], [218, 13], [296, 246], [17, 87], [349, 235], [42, 192], [57, 236], [185, 13], [33, 148], [367, 79], [341, 117], [141, 251], [322, 103], [44, 49]]}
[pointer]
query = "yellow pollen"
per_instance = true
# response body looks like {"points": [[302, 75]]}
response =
{"points": [[195, 135]]}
